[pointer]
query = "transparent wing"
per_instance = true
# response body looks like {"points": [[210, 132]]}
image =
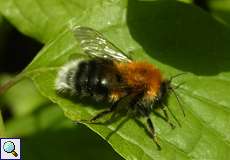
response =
{"points": [[95, 44]]}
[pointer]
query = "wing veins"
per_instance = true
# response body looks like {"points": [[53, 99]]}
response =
{"points": [[96, 45]]}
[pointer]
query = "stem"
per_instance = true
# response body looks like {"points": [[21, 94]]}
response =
{"points": [[9, 84]]}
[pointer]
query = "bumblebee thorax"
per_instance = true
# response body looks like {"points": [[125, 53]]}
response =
{"points": [[141, 75]]}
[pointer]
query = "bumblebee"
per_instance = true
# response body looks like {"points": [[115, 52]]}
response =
{"points": [[110, 75]]}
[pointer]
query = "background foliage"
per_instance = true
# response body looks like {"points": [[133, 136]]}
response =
{"points": [[176, 36]]}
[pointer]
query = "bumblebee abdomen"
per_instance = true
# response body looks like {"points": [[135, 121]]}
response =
{"points": [[90, 79], [93, 77]]}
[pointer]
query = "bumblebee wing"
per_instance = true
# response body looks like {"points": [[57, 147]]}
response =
{"points": [[94, 44]]}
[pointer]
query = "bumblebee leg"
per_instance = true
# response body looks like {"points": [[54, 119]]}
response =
{"points": [[142, 110], [164, 117], [107, 111], [167, 118], [152, 132]]}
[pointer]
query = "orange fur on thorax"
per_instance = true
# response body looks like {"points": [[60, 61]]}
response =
{"points": [[141, 76]]}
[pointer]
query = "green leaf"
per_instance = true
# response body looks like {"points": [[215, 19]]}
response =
{"points": [[46, 133], [35, 18], [221, 9], [23, 104], [176, 37]]}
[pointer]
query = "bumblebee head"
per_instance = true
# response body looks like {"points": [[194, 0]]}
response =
{"points": [[166, 88], [163, 93]]}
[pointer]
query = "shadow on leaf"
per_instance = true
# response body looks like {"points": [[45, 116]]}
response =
{"points": [[180, 35]]}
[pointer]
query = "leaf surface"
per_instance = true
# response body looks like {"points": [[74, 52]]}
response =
{"points": [[175, 36]]}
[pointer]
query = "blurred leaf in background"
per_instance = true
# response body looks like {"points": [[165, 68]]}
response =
{"points": [[221, 9], [2, 127], [17, 98]]}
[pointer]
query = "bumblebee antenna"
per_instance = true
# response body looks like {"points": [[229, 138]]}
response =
{"points": [[178, 86], [177, 75], [178, 100], [174, 117], [175, 94]]}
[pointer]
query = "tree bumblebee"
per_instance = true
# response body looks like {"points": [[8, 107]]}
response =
{"points": [[110, 75]]}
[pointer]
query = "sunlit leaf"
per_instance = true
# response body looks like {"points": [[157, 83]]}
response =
{"points": [[175, 36]]}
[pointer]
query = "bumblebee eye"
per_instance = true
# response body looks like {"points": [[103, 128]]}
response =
{"points": [[118, 78]]}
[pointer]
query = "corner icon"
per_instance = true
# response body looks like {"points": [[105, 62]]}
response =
{"points": [[10, 148]]}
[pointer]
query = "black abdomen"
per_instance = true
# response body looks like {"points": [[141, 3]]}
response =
{"points": [[95, 78]]}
